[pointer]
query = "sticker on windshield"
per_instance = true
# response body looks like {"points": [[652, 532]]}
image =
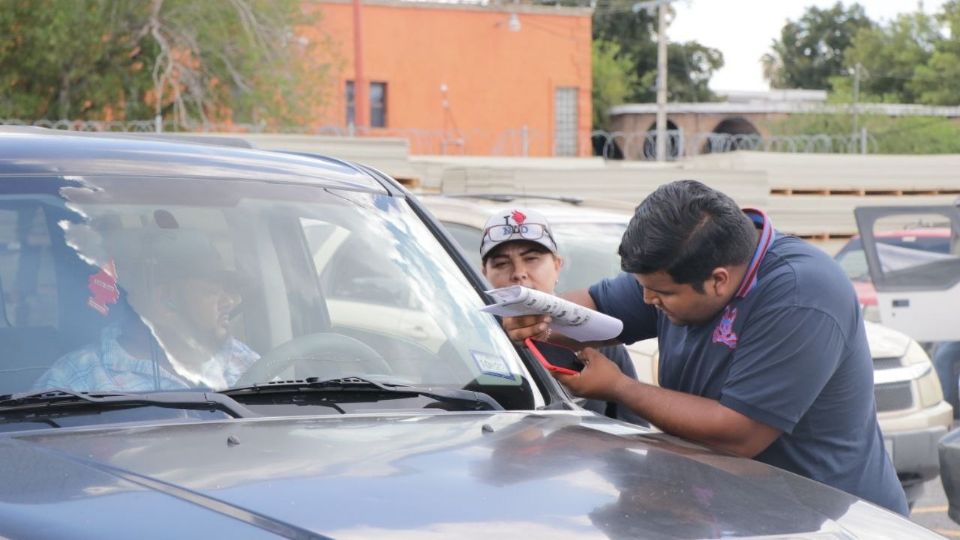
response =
{"points": [[490, 364]]}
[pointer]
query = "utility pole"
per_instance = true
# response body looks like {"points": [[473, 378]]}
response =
{"points": [[661, 7], [360, 106], [856, 102], [662, 82]]}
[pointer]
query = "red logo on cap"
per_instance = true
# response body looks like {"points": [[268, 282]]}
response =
{"points": [[518, 217]]}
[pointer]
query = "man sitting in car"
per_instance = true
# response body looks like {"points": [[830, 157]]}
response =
{"points": [[518, 248], [174, 331]]}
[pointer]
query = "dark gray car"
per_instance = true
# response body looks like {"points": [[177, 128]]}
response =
{"points": [[198, 340]]}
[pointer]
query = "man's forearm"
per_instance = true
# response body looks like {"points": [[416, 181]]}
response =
{"points": [[695, 418]]}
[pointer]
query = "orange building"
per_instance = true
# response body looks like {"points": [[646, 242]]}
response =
{"points": [[462, 78]]}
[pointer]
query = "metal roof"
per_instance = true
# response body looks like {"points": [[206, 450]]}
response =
{"points": [[765, 107]]}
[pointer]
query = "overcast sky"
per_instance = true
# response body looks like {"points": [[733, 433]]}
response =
{"points": [[722, 24]]}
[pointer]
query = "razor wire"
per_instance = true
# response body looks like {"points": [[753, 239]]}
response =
{"points": [[626, 145], [642, 145]]}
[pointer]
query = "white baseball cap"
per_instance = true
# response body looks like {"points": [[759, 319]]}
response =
{"points": [[516, 224]]}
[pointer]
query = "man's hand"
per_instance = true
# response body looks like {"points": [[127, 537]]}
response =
{"points": [[600, 379], [528, 326]]}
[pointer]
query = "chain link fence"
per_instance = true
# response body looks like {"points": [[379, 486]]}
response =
{"points": [[514, 142]]}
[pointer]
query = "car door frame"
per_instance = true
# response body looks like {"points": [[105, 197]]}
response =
{"points": [[920, 304]]}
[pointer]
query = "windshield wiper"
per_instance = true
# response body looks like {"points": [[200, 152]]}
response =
{"points": [[57, 399], [477, 401]]}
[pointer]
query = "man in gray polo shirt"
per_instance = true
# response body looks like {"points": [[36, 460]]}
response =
{"points": [[763, 351]]}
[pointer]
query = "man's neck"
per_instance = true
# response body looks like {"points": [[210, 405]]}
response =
{"points": [[739, 272]]}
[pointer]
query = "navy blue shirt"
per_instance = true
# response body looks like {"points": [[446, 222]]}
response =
{"points": [[790, 351]]}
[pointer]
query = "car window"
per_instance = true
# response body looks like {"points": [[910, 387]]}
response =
{"points": [[27, 281], [853, 261], [164, 284], [468, 239], [897, 250]]}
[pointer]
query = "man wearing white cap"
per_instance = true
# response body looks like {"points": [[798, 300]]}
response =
{"points": [[518, 248]]}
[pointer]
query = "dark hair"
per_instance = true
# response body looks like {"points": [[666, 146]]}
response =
{"points": [[686, 229]]}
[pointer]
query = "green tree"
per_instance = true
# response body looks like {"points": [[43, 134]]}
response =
{"points": [[889, 56], [67, 59], [811, 50], [613, 79], [190, 61], [689, 65], [937, 81]]}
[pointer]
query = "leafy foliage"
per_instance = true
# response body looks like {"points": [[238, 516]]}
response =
{"points": [[67, 59], [129, 59], [889, 56], [914, 58], [689, 65], [937, 82], [811, 50], [613, 79]]}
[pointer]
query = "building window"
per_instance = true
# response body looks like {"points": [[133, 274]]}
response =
{"points": [[350, 103], [565, 121], [378, 104]]}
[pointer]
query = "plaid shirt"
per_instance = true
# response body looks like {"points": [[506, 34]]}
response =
{"points": [[106, 366]]}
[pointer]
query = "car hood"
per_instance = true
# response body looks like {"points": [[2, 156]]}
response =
{"points": [[885, 342], [497, 475]]}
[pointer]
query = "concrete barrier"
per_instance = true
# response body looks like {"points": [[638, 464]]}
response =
{"points": [[810, 195], [588, 178]]}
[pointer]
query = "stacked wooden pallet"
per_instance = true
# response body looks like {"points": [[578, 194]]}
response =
{"points": [[813, 195], [809, 195]]}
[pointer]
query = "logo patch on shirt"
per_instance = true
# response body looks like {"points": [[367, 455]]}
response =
{"points": [[724, 333]]}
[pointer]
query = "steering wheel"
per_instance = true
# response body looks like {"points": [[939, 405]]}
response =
{"points": [[323, 349]]}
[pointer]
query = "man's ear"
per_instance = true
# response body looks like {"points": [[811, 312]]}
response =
{"points": [[559, 261], [722, 281]]}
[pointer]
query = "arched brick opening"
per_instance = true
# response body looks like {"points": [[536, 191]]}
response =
{"points": [[673, 141], [731, 134], [736, 126]]}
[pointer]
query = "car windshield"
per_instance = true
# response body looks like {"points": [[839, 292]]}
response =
{"points": [[159, 284]]}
